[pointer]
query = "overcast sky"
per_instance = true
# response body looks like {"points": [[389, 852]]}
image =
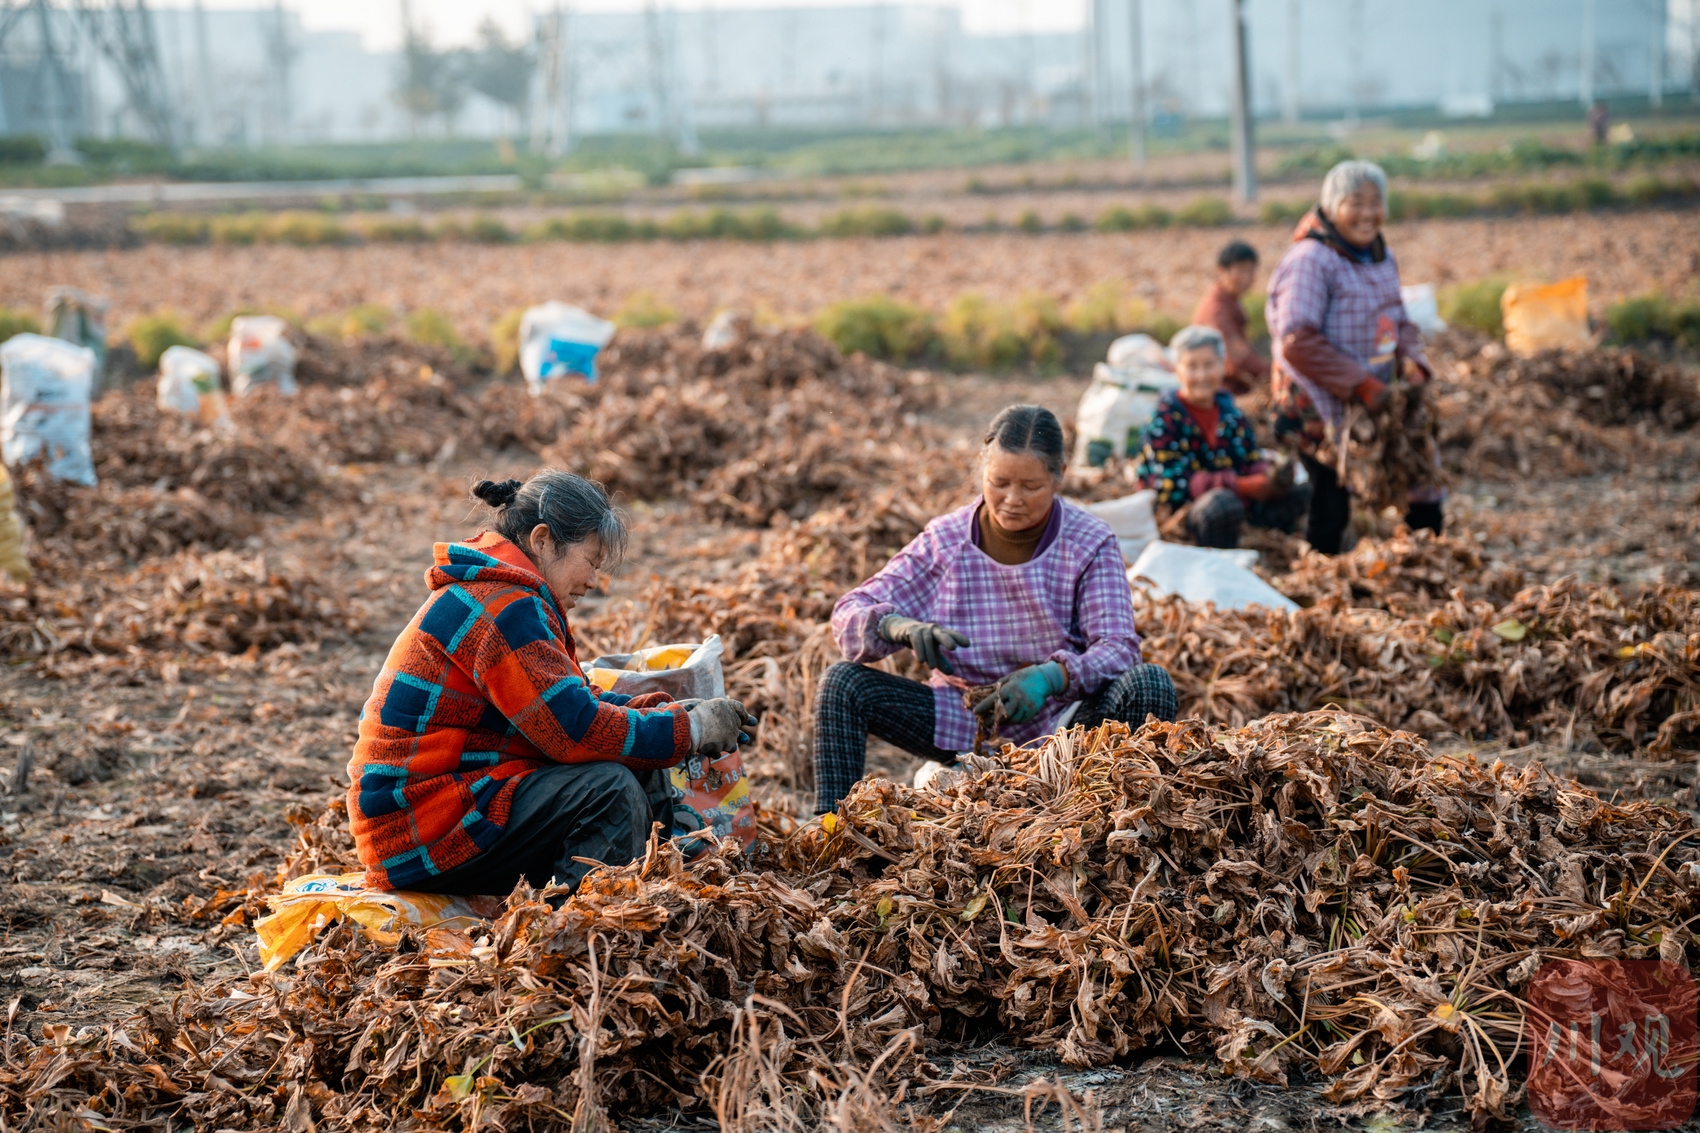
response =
{"points": [[453, 21]]}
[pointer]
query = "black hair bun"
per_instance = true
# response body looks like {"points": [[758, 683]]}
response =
{"points": [[497, 495]]}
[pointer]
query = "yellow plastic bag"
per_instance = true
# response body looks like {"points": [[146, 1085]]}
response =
{"points": [[1546, 316], [13, 561], [683, 670], [310, 904]]}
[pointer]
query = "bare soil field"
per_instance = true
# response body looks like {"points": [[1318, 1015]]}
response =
{"points": [[1621, 254], [184, 677]]}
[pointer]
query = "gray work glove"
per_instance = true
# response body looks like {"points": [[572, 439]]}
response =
{"points": [[718, 725], [931, 643]]}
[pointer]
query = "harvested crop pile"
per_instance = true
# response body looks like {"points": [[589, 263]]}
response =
{"points": [[136, 445], [222, 602], [407, 418], [1385, 454], [355, 361], [778, 423], [1310, 894], [1559, 414], [111, 525], [1566, 662], [1409, 573]]}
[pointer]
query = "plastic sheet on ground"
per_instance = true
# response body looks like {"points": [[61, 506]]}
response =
{"points": [[310, 904], [1132, 518], [44, 405], [1199, 574]]}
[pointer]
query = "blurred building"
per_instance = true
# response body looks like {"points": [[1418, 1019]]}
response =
{"points": [[256, 76]]}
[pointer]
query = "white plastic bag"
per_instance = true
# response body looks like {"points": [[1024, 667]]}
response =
{"points": [[261, 355], [1132, 518], [727, 330], [1423, 308], [686, 671], [188, 384], [557, 339], [1115, 409], [45, 385], [1133, 352], [1199, 574], [78, 317]]}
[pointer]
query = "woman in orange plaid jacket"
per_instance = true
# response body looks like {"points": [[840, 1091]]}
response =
{"points": [[484, 756]]}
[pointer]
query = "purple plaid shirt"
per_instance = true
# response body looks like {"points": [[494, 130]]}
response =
{"points": [[1315, 286], [1070, 603]]}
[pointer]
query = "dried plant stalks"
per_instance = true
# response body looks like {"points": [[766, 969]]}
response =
{"points": [[1310, 893]]}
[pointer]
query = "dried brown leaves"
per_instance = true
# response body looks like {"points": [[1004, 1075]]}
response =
{"points": [[1312, 894]]}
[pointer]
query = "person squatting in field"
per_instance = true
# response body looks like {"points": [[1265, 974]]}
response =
{"points": [[1199, 449], [1340, 334], [1020, 590], [484, 756], [1222, 306]]}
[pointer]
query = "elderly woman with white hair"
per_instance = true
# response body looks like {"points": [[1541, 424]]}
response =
{"points": [[1199, 451], [1340, 335]]}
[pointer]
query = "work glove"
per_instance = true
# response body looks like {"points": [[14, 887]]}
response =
{"points": [[1372, 393], [1413, 371], [1023, 693], [1202, 482], [931, 643], [718, 725]]}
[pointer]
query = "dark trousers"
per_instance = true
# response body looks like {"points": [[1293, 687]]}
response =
{"points": [[1217, 517], [600, 811], [854, 702], [1331, 509]]}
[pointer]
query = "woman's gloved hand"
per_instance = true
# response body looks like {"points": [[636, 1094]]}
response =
{"points": [[1024, 692], [931, 643], [718, 725]]}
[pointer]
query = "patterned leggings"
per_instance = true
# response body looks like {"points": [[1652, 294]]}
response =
{"points": [[855, 702]]}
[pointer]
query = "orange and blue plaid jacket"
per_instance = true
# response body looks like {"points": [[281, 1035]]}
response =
{"points": [[482, 688]]}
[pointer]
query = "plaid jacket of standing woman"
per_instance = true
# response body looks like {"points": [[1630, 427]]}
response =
{"points": [[482, 688]]}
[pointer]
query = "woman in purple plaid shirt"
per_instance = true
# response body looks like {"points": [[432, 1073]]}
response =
{"points": [[1341, 335], [1020, 592]]}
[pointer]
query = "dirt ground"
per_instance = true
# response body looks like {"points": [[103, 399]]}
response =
{"points": [[158, 789], [1621, 254]]}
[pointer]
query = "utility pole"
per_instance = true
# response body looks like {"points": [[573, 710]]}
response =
{"points": [[1656, 69], [876, 64], [1095, 64], [203, 85], [1290, 80], [1496, 56], [1586, 88], [55, 90], [280, 56], [1354, 57], [1245, 167], [1136, 81]]}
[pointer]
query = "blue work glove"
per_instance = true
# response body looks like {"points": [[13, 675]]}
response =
{"points": [[1024, 692]]}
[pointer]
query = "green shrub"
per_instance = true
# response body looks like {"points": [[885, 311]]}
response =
{"points": [[366, 319], [1205, 212], [239, 228], [172, 227], [13, 321], [1139, 318], [1037, 321], [1029, 222], [488, 230], [1256, 316], [1097, 310], [1120, 218], [1595, 193], [1071, 222], [866, 222], [878, 326], [303, 229], [1647, 190], [932, 223], [1421, 206], [643, 309], [1475, 305], [1654, 316], [504, 341], [592, 228], [1283, 212], [430, 327], [977, 332], [396, 229], [152, 335]]}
